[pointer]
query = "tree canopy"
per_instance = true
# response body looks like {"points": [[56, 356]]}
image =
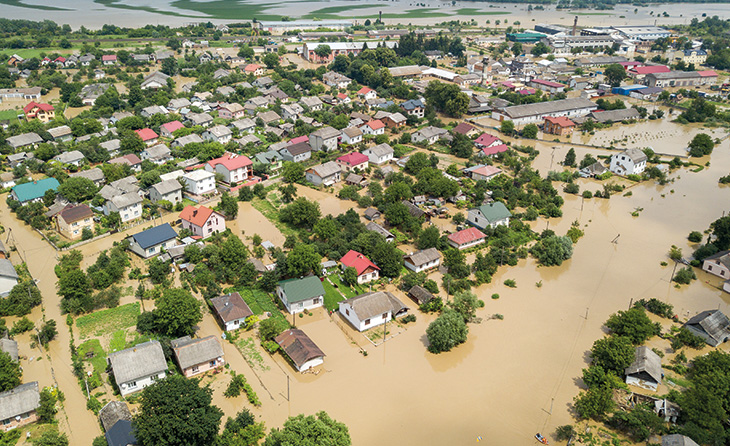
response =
{"points": [[310, 431], [446, 332]]}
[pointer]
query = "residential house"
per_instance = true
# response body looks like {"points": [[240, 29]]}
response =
{"points": [[10, 347], [202, 221], [120, 187], [185, 140], [324, 139], [536, 113], [312, 103], [154, 81], [550, 87], [380, 154], [109, 59], [23, 140], [148, 136], [167, 190], [96, 175], [492, 215], [130, 159], [334, 79], [718, 264], [33, 191], [199, 119], [486, 140], [255, 69], [711, 325], [196, 356], [73, 219], [151, 242], [41, 112], [420, 295], [367, 93], [168, 128], [374, 227], [218, 133], [302, 351], [325, 174], [422, 260], [351, 135], [8, 277], [231, 311], [73, 158], [302, 294], [269, 117], [677, 440], [263, 82], [414, 107], [628, 162], [394, 121], [354, 160], [366, 270], [176, 104], [245, 125], [429, 135], [464, 128], [646, 370], [369, 310], [18, 406], [231, 111], [234, 168], [158, 154], [199, 182], [270, 158], [594, 170], [483, 172], [152, 110], [128, 205], [373, 127], [291, 111], [220, 73], [61, 133], [16, 159], [112, 146], [138, 367], [466, 238], [558, 125], [296, 152]]}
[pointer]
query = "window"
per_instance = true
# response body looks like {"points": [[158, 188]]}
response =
{"points": [[213, 363], [347, 312], [385, 315], [194, 369], [367, 321], [133, 384], [151, 250], [709, 267]]}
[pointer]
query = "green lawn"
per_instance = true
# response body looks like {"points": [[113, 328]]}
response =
{"points": [[108, 321], [225, 9], [333, 11], [260, 302], [9, 115], [98, 361], [331, 296], [422, 13], [26, 5], [475, 11]]}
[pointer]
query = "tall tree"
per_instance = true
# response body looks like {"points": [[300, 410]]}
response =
{"points": [[310, 431], [177, 313], [10, 372]]}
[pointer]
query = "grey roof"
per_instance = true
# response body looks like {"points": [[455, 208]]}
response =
{"points": [[199, 118], [158, 151], [677, 440], [327, 169], [369, 305], [420, 294], [190, 352], [167, 186], [189, 139], [636, 155], [352, 132], [248, 139], [298, 148], [540, 108], [615, 115], [111, 145], [57, 132], [219, 130], [119, 187], [711, 325], [22, 399], [675, 75], [298, 346], [354, 178], [424, 256], [69, 157], [268, 157], [178, 103], [10, 347], [25, 139], [722, 257], [112, 412], [645, 360], [430, 131], [311, 101], [154, 236], [326, 132], [243, 124], [413, 209], [372, 226], [138, 362], [94, 174], [125, 200], [157, 76], [7, 269], [20, 156], [381, 149], [372, 213], [269, 116]]}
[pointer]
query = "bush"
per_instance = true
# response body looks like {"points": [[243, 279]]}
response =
{"points": [[695, 237], [684, 276], [446, 332], [657, 307], [21, 326], [495, 296], [510, 283], [432, 306], [408, 319], [684, 337], [587, 194], [564, 433]]}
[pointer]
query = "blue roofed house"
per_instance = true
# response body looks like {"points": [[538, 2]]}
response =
{"points": [[489, 215], [301, 294], [30, 192], [151, 242]]}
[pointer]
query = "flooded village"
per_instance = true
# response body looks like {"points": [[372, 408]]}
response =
{"points": [[346, 232]]}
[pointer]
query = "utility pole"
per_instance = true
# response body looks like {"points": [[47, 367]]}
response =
{"points": [[287, 387]]}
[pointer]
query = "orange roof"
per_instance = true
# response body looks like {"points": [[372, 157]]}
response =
{"points": [[562, 121], [375, 124], [146, 134], [467, 235], [252, 67], [198, 217], [364, 90], [33, 104], [231, 162]]}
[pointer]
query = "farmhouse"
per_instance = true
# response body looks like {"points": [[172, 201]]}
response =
{"points": [[492, 215], [711, 325], [466, 238], [151, 242], [231, 311], [718, 264], [646, 370], [628, 162], [422, 260], [303, 352], [73, 219], [18, 406], [366, 270], [138, 367], [298, 295], [202, 221], [371, 309], [195, 356]]}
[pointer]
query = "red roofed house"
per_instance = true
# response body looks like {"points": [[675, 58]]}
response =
{"points": [[148, 136], [367, 93], [632, 64], [559, 125], [203, 221], [639, 73], [41, 112], [60, 61], [255, 69], [343, 98], [485, 172], [354, 160], [298, 139], [373, 127], [487, 140], [466, 238], [234, 168], [366, 270], [169, 127], [464, 128], [709, 77], [109, 59], [552, 87], [493, 150]]}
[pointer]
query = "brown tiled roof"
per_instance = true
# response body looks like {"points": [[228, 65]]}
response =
{"points": [[231, 307], [73, 213], [298, 346]]}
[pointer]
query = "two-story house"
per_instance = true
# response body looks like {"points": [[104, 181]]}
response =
{"points": [[325, 174], [199, 182], [298, 295], [202, 221], [73, 219], [489, 215], [380, 154], [234, 168], [152, 241], [218, 133], [324, 139], [196, 356], [128, 205], [167, 190]]}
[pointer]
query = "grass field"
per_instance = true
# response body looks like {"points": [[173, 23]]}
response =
{"points": [[108, 321], [331, 296], [475, 11], [227, 9], [98, 361], [423, 13], [25, 5], [8, 115], [332, 12]]}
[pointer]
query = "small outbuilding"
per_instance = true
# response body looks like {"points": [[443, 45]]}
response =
{"points": [[646, 370], [711, 325], [302, 351]]}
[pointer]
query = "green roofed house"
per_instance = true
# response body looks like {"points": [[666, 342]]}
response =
{"points": [[30, 192], [492, 215], [298, 295], [525, 37]]}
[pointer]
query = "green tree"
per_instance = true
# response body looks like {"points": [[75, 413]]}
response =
{"points": [[553, 250], [594, 403], [229, 205], [158, 270], [271, 60], [10, 372], [615, 74], [51, 437], [447, 98], [311, 431], [302, 260], [349, 276], [530, 131], [466, 303], [429, 237], [613, 353], [416, 162], [47, 409], [569, 160], [446, 332], [22, 298], [323, 51], [507, 127], [292, 172], [242, 430], [75, 289], [701, 145], [516, 48], [301, 212], [177, 313], [721, 232], [177, 412], [634, 324]]}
